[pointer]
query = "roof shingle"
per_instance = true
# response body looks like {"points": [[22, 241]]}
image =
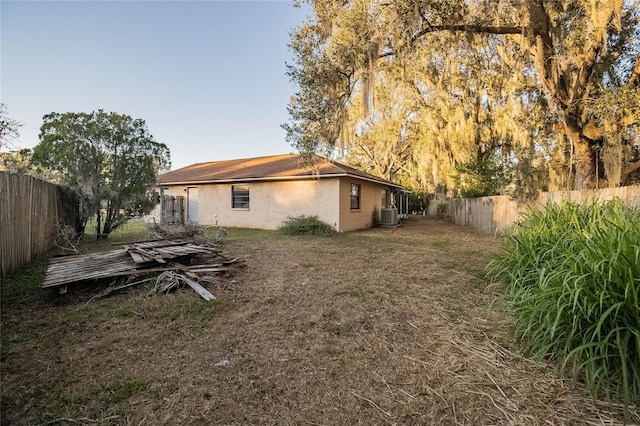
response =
{"points": [[287, 166]]}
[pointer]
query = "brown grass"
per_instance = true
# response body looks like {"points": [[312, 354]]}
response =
{"points": [[385, 326]]}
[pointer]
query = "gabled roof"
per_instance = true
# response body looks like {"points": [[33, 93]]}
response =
{"points": [[274, 167]]}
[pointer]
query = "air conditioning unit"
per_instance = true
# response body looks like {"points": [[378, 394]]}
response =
{"points": [[389, 217]]}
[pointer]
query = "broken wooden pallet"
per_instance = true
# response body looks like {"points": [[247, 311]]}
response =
{"points": [[160, 251], [69, 269], [141, 257]]}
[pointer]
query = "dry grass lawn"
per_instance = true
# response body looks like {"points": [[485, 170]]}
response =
{"points": [[384, 326]]}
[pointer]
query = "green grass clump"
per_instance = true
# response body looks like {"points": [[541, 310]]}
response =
{"points": [[237, 234], [120, 391], [306, 225], [24, 282], [573, 286]]}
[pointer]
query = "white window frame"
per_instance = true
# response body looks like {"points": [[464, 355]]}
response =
{"points": [[237, 200]]}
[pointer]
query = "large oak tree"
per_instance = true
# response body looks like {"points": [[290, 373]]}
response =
{"points": [[582, 54], [110, 159]]}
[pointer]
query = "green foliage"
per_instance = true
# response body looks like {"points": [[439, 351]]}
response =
{"points": [[317, 110], [129, 231], [88, 315], [480, 177], [495, 173], [418, 87], [20, 161], [67, 398], [382, 143], [120, 391], [186, 310], [16, 161], [418, 201], [442, 210], [573, 286], [110, 159], [235, 234], [25, 282], [306, 225]]}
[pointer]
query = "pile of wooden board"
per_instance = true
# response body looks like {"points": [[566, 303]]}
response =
{"points": [[193, 261]]}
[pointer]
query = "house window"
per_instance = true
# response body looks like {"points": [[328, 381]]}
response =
{"points": [[240, 196], [355, 196]]}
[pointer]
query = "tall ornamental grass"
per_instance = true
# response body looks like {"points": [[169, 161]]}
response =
{"points": [[573, 286]]}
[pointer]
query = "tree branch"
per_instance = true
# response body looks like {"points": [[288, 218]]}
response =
{"points": [[592, 131], [471, 28], [635, 74], [595, 133], [626, 171], [416, 89]]}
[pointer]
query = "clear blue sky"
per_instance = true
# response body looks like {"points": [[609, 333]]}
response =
{"points": [[208, 77]]}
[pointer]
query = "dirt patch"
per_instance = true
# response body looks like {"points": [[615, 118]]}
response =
{"points": [[385, 326]]}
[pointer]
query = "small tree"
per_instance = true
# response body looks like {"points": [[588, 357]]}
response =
{"points": [[481, 177], [110, 159], [8, 127]]}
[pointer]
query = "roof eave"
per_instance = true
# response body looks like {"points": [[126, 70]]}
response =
{"points": [[278, 178]]}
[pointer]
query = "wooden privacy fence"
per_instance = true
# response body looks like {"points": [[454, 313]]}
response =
{"points": [[495, 215], [31, 210]]}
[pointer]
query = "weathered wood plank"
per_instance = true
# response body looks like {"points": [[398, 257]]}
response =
{"points": [[159, 251], [203, 292], [137, 257], [197, 269], [87, 267]]}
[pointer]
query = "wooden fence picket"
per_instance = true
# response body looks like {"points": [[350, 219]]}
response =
{"points": [[496, 215], [31, 210]]}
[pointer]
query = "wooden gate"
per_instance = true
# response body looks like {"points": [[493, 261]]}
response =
{"points": [[172, 212]]}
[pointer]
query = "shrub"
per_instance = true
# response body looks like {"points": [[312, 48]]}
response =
{"points": [[306, 225], [573, 286], [442, 210]]}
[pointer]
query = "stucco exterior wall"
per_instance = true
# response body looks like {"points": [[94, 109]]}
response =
{"points": [[270, 203], [370, 205]]}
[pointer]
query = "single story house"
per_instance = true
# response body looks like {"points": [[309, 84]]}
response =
{"points": [[262, 192]]}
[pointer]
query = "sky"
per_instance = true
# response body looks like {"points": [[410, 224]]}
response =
{"points": [[208, 77]]}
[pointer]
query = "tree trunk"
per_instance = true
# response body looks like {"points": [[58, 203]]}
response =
{"points": [[100, 235], [626, 171], [584, 158], [585, 165]]}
